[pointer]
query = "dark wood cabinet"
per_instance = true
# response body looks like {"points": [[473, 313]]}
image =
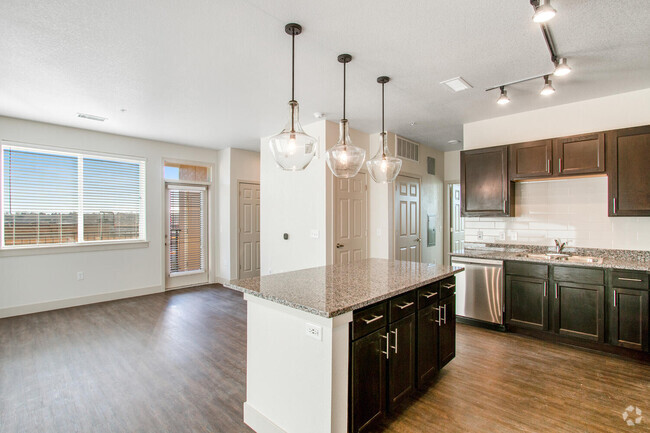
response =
{"points": [[527, 302], [447, 331], [427, 345], [531, 160], [628, 162], [628, 318], [579, 154], [401, 361], [368, 380], [485, 187], [579, 311]]}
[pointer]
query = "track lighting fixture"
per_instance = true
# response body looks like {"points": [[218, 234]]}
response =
{"points": [[292, 148], [543, 12], [503, 98], [562, 68], [548, 87], [345, 159]]}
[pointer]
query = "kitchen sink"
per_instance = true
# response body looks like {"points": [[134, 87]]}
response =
{"points": [[584, 259], [566, 258]]}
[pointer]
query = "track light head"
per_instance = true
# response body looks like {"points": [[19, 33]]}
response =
{"points": [[562, 68], [548, 87], [544, 12], [503, 98]]}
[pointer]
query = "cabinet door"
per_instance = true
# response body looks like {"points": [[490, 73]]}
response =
{"points": [[447, 331], [579, 311], [401, 361], [485, 189], [628, 318], [580, 154], [531, 159], [527, 302], [368, 380], [628, 159], [427, 345]]}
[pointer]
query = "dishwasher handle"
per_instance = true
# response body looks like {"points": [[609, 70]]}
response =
{"points": [[472, 261]]}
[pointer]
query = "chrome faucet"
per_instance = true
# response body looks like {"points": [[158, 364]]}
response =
{"points": [[559, 246]]}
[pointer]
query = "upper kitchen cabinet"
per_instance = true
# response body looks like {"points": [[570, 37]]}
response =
{"points": [[628, 167], [579, 154], [485, 188], [531, 159]]}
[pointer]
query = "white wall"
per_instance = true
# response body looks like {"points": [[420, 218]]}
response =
{"points": [[571, 209], [51, 278], [452, 166], [293, 203]]}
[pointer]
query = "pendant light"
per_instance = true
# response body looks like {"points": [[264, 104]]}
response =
{"points": [[503, 98], [544, 12], [292, 148], [383, 167], [345, 159], [548, 88]]}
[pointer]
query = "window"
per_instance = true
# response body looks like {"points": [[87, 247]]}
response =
{"points": [[66, 198], [186, 172]]}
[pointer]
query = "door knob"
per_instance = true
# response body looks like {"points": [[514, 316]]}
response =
{"points": [[418, 240], [339, 245]]}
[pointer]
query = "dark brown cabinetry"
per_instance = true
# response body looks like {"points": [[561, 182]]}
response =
{"points": [[578, 311], [628, 162], [579, 155], [368, 380], [427, 356], [401, 361], [485, 187], [627, 302], [527, 302], [531, 160], [447, 331]]}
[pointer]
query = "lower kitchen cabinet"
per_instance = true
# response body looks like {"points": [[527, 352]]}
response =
{"points": [[401, 360], [447, 331], [368, 380], [628, 318], [427, 347], [527, 302], [579, 311]]}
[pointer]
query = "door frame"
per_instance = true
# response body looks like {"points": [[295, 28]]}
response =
{"points": [[239, 182], [211, 213], [447, 221], [394, 237], [330, 238]]}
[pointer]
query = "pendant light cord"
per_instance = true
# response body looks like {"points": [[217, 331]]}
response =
{"points": [[344, 64], [293, 65], [383, 131]]}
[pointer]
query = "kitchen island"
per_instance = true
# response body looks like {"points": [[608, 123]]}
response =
{"points": [[300, 327]]}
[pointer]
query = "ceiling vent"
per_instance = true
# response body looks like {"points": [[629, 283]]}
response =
{"points": [[91, 117], [407, 149], [457, 84]]}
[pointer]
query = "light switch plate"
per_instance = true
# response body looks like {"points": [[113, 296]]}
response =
{"points": [[314, 331], [315, 233], [479, 235]]}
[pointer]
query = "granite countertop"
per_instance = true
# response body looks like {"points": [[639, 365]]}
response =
{"points": [[612, 259], [330, 291]]}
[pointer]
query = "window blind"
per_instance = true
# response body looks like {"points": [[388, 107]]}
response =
{"points": [[186, 229], [52, 197]]}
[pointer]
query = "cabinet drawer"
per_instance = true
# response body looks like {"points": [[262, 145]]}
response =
{"points": [[527, 270], [402, 306], [630, 280], [579, 275], [447, 287], [368, 319], [428, 295]]}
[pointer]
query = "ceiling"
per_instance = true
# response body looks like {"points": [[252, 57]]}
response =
{"points": [[216, 73]]}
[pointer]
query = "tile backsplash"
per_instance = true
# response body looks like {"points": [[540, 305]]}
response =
{"points": [[573, 210]]}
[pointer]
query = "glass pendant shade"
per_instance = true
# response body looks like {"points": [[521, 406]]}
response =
{"points": [[383, 167], [345, 159], [292, 148]]}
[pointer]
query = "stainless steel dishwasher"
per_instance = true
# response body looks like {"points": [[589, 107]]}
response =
{"points": [[479, 290]]}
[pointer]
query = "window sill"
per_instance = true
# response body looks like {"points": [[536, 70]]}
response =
{"points": [[77, 248]]}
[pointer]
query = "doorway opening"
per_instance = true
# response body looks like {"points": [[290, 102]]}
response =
{"points": [[248, 243], [407, 219]]}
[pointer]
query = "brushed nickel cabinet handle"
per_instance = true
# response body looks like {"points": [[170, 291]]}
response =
{"points": [[387, 352], [395, 346], [439, 321], [614, 298], [545, 289], [504, 206], [630, 279], [614, 205], [548, 166], [560, 165], [555, 290], [448, 286], [430, 294], [374, 319], [445, 317], [408, 304]]}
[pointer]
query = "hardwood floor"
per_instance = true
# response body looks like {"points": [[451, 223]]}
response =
{"points": [[169, 362], [175, 362]]}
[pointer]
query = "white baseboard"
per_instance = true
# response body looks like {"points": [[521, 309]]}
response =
{"points": [[258, 422], [74, 302]]}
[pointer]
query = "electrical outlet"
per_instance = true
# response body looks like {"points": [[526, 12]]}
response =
{"points": [[513, 236], [479, 235], [502, 236], [80, 276], [314, 233], [314, 331]]}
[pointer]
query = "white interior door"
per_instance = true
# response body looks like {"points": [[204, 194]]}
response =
{"points": [[456, 221], [407, 219], [186, 238], [350, 219], [249, 230]]}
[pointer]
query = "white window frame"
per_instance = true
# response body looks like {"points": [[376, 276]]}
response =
{"points": [[80, 155]]}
